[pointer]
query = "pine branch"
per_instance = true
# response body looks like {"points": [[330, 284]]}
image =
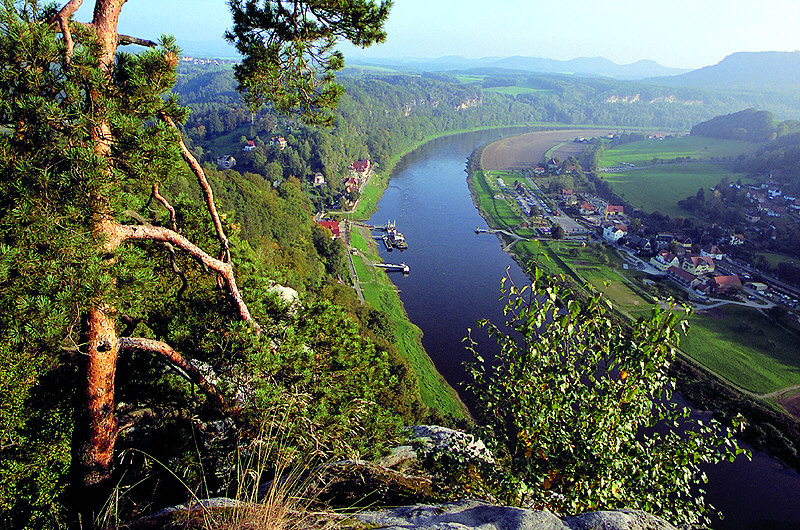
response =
{"points": [[117, 234], [165, 203], [204, 185], [165, 350], [62, 17]]}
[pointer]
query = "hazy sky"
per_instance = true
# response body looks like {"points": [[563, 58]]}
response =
{"points": [[680, 33]]}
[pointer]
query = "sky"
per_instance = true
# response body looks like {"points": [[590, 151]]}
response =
{"points": [[676, 33]]}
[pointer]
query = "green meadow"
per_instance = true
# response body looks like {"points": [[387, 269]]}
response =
{"points": [[516, 90], [745, 347], [696, 147], [659, 188]]}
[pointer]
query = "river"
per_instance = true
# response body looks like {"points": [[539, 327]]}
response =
{"points": [[455, 281]]}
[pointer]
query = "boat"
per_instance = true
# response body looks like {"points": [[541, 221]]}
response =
{"points": [[393, 238]]}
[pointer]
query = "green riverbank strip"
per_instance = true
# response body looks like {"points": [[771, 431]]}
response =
{"points": [[381, 294], [739, 344]]}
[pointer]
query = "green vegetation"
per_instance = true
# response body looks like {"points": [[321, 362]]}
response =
{"points": [[751, 125], [659, 188], [605, 452], [643, 152], [516, 90], [745, 347]]}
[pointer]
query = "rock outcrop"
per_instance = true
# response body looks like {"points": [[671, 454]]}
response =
{"points": [[469, 514]]}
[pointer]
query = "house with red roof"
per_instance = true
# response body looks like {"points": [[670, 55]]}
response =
{"points": [[682, 277], [614, 211], [726, 284], [333, 226]]}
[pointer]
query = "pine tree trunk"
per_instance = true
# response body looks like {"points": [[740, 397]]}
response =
{"points": [[96, 426]]}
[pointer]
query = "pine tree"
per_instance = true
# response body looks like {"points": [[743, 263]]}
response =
{"points": [[87, 138]]}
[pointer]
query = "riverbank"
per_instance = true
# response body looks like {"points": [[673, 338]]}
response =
{"points": [[598, 265], [378, 290]]}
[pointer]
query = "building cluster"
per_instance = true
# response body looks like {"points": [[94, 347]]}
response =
{"points": [[696, 272]]}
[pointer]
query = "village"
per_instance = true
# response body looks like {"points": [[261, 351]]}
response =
{"points": [[705, 273]]}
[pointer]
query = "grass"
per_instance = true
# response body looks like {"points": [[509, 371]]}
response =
{"points": [[745, 347], [659, 188], [776, 259], [381, 294], [642, 153], [503, 213], [470, 79], [516, 90]]}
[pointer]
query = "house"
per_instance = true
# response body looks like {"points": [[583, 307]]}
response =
{"points": [[614, 232], [587, 209], [776, 211], [360, 168], [642, 244], [752, 216], [614, 211], [684, 278], [697, 265], [333, 226], [758, 287], [664, 260], [685, 242], [249, 146], [280, 141], [319, 180], [351, 184], [226, 162], [725, 284], [712, 251], [736, 240], [539, 171]]}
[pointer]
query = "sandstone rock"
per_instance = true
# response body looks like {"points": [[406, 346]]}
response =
{"points": [[470, 514], [452, 442]]}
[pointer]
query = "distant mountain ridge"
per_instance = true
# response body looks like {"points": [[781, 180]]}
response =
{"points": [[582, 66], [743, 70]]}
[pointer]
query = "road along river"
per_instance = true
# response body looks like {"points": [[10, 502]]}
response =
{"points": [[455, 280]]}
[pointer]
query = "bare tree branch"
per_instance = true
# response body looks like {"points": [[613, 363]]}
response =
{"points": [[204, 185], [125, 40], [166, 351], [117, 234], [164, 202]]}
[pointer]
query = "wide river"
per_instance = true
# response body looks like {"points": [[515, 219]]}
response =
{"points": [[455, 280]]}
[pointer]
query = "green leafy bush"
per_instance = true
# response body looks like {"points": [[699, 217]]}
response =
{"points": [[578, 408]]}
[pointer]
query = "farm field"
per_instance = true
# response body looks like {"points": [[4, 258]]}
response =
{"points": [[659, 188], [642, 153], [527, 150], [745, 347], [516, 90]]}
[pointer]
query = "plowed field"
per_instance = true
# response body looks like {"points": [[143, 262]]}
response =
{"points": [[527, 150]]}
